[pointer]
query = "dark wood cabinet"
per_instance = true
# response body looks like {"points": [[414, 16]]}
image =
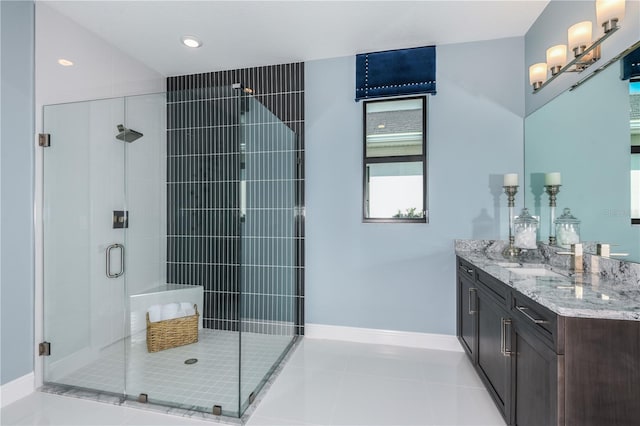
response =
{"points": [[546, 369], [467, 306], [512, 349], [493, 362], [535, 379], [602, 372]]}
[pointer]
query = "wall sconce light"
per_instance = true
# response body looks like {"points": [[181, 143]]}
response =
{"points": [[609, 13], [579, 36], [556, 58], [537, 75]]}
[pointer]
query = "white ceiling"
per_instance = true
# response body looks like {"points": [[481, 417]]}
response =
{"points": [[238, 34]]}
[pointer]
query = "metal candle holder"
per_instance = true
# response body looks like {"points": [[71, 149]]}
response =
{"points": [[511, 191], [552, 190]]}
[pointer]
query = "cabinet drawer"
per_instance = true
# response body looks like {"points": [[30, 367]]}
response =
{"points": [[466, 269], [496, 288], [534, 316]]}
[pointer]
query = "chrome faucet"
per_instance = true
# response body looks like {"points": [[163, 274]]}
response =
{"points": [[604, 250], [576, 257]]}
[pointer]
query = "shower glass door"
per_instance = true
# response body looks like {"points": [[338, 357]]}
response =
{"points": [[84, 285], [152, 201], [145, 165], [269, 245]]}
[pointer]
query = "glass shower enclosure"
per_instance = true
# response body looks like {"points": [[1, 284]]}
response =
{"points": [[185, 198]]}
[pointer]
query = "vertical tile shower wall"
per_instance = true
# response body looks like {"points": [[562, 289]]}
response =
{"points": [[204, 136], [203, 130]]}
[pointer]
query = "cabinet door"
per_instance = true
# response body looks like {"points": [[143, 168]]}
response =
{"points": [[493, 364], [535, 380], [467, 313]]}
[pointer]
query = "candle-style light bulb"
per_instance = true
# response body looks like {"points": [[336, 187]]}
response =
{"points": [[609, 13], [580, 37], [556, 58], [537, 74]]}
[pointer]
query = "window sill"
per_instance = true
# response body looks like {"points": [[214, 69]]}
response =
{"points": [[395, 220]]}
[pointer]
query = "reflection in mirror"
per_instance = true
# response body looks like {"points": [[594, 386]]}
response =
{"points": [[634, 98], [584, 134], [394, 160]]}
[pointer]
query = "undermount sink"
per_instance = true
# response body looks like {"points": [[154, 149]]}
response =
{"points": [[533, 272], [508, 264]]}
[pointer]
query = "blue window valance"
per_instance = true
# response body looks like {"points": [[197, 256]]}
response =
{"points": [[631, 65], [396, 72]]}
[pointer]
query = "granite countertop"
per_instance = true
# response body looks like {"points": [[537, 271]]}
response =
{"points": [[583, 295]]}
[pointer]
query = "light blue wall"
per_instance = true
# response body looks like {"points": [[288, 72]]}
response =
{"points": [[402, 276], [16, 196]]}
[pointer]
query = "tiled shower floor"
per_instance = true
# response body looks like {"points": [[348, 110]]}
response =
{"points": [[164, 376]]}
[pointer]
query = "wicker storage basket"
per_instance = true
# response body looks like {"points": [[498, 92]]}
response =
{"points": [[168, 334]]}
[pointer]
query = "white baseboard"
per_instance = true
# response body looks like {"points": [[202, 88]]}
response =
{"points": [[16, 389], [443, 342]]}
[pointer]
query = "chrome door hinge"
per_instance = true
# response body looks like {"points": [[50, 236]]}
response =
{"points": [[44, 140], [44, 349]]}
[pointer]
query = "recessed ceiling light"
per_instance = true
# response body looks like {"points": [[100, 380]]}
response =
{"points": [[381, 126], [65, 62], [191, 41]]}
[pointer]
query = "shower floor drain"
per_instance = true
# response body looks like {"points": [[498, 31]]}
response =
{"points": [[191, 361]]}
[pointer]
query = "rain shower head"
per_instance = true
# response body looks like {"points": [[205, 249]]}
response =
{"points": [[127, 135]]}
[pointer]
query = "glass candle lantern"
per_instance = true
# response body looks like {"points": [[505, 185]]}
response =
{"points": [[567, 229], [525, 229]]}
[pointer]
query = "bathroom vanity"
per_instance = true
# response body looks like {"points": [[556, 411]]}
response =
{"points": [[552, 348]]}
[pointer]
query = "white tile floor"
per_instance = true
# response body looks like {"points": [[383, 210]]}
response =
{"points": [[164, 376], [324, 383]]}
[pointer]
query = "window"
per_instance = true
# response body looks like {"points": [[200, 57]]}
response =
{"points": [[634, 96], [395, 160]]}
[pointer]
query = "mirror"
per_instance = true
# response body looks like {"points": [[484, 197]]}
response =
{"points": [[585, 134]]}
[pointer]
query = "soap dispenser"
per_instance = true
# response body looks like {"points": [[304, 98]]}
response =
{"points": [[567, 229]]}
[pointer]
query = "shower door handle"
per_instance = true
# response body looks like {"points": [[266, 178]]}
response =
{"points": [[108, 260]]}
